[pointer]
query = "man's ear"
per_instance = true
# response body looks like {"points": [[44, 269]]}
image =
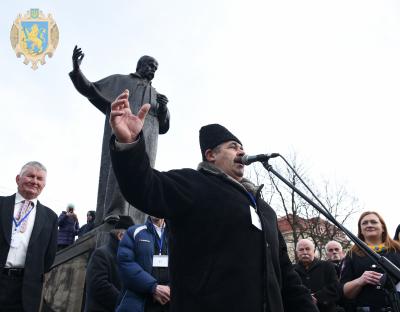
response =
{"points": [[120, 235], [210, 155]]}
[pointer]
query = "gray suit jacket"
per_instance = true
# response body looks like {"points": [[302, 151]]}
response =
{"points": [[41, 249]]}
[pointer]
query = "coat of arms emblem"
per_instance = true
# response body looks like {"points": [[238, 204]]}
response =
{"points": [[34, 36]]}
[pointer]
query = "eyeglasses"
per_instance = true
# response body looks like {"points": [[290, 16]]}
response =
{"points": [[333, 249]]}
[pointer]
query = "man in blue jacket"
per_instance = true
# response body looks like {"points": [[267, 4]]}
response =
{"points": [[226, 253], [143, 265]]}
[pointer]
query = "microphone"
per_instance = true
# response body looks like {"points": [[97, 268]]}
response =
{"points": [[247, 159]]}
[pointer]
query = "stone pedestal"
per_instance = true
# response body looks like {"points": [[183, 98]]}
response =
{"points": [[64, 287]]}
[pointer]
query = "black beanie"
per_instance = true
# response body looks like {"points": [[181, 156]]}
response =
{"points": [[213, 135], [124, 222]]}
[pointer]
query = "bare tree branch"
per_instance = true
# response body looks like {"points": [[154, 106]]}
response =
{"points": [[303, 220]]}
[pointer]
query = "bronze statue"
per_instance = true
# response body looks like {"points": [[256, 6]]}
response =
{"points": [[101, 94]]}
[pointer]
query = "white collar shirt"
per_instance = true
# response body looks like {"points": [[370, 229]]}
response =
{"points": [[20, 241], [159, 229]]}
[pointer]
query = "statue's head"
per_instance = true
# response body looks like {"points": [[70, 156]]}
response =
{"points": [[146, 67]]}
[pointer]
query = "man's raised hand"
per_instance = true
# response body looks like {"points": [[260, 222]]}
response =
{"points": [[125, 125]]}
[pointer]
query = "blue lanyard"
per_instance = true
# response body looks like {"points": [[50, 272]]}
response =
{"points": [[253, 200], [159, 240], [17, 224]]}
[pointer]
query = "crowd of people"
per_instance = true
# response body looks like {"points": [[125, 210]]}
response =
{"points": [[130, 272], [352, 281], [122, 276], [211, 243]]}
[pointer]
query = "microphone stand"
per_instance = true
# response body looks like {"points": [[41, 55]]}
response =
{"points": [[392, 272]]}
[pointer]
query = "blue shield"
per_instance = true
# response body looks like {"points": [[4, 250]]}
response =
{"points": [[35, 36]]}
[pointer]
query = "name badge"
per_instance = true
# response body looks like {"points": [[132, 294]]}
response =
{"points": [[255, 219], [160, 261]]}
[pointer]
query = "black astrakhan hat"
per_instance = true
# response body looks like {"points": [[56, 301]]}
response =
{"points": [[212, 135]]}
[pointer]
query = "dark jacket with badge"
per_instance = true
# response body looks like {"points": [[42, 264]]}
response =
{"points": [[321, 279], [41, 249], [218, 260], [135, 262], [103, 283]]}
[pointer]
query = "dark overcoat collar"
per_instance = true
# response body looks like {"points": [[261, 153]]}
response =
{"points": [[40, 221], [6, 216], [315, 263]]}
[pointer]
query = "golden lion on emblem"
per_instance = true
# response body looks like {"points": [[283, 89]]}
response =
{"points": [[35, 36]]}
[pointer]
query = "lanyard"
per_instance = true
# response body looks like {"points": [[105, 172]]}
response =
{"points": [[18, 223], [253, 200], [160, 240]]}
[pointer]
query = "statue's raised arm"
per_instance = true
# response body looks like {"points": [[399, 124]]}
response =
{"points": [[139, 91], [83, 85]]}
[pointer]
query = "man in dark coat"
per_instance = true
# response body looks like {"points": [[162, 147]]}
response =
{"points": [[318, 276], [68, 227], [103, 282], [101, 94], [28, 241], [335, 255], [225, 250]]}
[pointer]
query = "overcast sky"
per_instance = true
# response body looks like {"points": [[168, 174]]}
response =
{"points": [[318, 78]]}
